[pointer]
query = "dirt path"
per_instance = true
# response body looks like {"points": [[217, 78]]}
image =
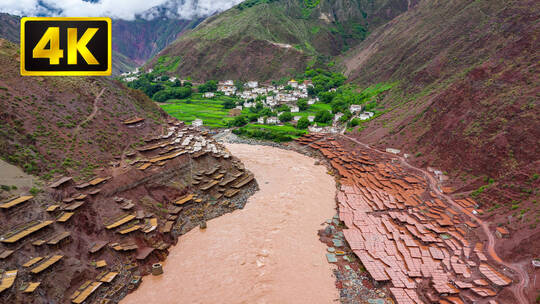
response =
{"points": [[91, 116], [268, 252], [517, 288]]}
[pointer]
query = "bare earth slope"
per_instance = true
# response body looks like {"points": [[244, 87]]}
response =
{"points": [[120, 182], [466, 103]]}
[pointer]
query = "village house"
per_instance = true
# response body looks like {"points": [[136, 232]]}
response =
{"points": [[355, 108], [209, 95], [235, 112], [295, 109], [366, 115], [297, 118], [252, 84], [239, 108], [311, 118], [248, 104], [293, 83], [227, 83], [338, 116], [260, 120], [272, 120], [311, 102], [227, 87]]}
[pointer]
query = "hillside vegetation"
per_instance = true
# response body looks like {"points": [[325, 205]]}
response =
{"points": [[269, 39]]}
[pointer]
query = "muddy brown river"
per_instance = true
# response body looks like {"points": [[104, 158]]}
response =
{"points": [[269, 252]]}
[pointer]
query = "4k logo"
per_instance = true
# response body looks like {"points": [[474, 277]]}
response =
{"points": [[65, 46]]}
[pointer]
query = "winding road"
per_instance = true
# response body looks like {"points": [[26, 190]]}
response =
{"points": [[518, 289]]}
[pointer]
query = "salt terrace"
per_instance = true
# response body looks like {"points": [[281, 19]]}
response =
{"points": [[129, 234], [406, 237]]}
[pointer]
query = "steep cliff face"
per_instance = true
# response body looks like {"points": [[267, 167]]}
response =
{"points": [[466, 100], [140, 39], [264, 39]]}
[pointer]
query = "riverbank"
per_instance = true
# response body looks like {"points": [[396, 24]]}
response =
{"points": [[269, 252]]}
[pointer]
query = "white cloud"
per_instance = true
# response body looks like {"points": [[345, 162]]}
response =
{"points": [[122, 9]]}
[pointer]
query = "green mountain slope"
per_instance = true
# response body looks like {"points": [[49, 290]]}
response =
{"points": [[263, 39]]}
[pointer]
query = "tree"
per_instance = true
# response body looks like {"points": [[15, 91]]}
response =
{"points": [[229, 104], [162, 96], [303, 123], [239, 121], [326, 97], [302, 104], [209, 86], [266, 112], [323, 116], [257, 108], [253, 117], [182, 92], [286, 116], [284, 108], [339, 104]]}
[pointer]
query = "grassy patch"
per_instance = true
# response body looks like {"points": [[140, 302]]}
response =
{"points": [[211, 111], [273, 133]]}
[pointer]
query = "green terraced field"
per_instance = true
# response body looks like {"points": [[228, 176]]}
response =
{"points": [[211, 111]]}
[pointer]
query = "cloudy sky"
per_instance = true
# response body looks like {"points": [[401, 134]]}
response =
{"points": [[123, 9]]}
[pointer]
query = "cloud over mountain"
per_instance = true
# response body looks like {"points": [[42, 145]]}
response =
{"points": [[119, 9]]}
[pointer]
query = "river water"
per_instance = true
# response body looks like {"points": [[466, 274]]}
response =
{"points": [[268, 252]]}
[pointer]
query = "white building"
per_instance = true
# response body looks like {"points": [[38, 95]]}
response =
{"points": [[393, 151], [297, 118], [338, 116], [239, 108], [260, 120], [293, 83], [209, 95], [295, 109], [249, 104], [366, 115], [311, 118], [355, 108], [252, 84], [311, 102], [226, 83], [272, 120], [197, 123]]}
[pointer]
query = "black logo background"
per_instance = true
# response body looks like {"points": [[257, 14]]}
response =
{"points": [[98, 45]]}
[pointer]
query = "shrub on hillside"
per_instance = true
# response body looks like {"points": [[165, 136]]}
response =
{"points": [[286, 116], [209, 86], [323, 116], [303, 123], [302, 104]]}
